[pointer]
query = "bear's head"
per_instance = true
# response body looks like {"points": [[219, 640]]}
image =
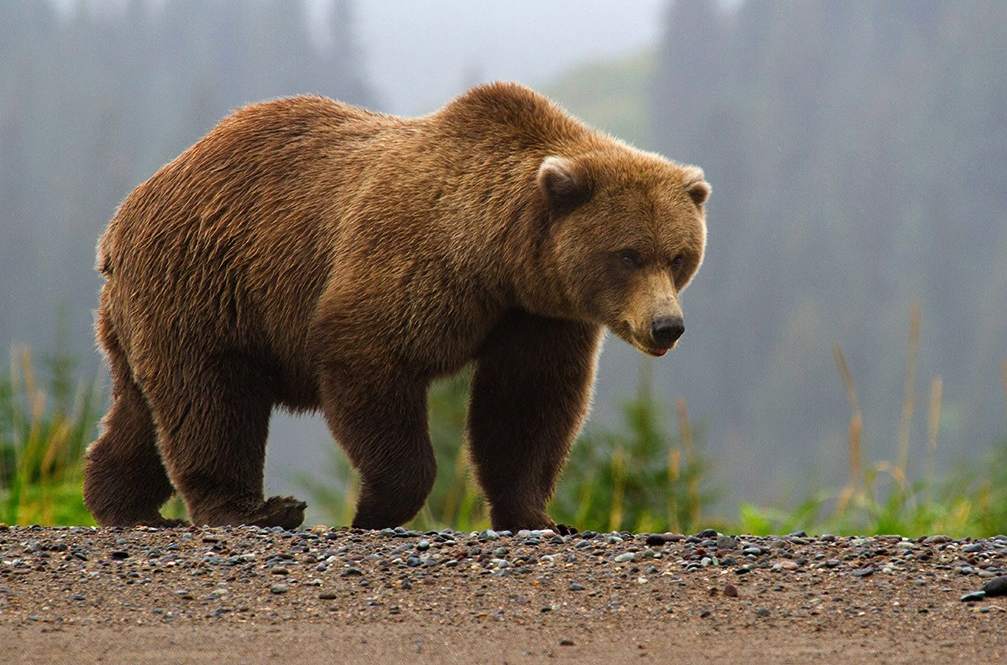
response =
{"points": [[628, 231]]}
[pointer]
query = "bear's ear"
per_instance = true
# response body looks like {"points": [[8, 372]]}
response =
{"points": [[696, 186], [564, 185]]}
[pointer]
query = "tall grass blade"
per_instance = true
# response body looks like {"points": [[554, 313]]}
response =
{"points": [[909, 392]]}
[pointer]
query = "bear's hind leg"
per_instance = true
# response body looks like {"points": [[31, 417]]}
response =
{"points": [[212, 435], [125, 483]]}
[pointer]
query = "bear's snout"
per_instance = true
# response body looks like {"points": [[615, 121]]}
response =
{"points": [[666, 330]]}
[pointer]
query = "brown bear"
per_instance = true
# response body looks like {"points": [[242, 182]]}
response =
{"points": [[311, 255]]}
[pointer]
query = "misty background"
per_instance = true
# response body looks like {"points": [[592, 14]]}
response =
{"points": [[857, 152]]}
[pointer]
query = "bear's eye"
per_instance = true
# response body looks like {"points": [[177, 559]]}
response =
{"points": [[677, 262], [629, 259]]}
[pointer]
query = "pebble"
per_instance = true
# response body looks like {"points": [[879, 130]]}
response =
{"points": [[996, 586], [727, 543], [937, 540], [279, 588]]}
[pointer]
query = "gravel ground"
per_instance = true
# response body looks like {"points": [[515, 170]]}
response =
{"points": [[248, 595]]}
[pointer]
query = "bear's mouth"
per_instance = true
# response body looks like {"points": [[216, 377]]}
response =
{"points": [[655, 351], [643, 345]]}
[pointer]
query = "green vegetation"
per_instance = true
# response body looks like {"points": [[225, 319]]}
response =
{"points": [[43, 434], [638, 478], [880, 498]]}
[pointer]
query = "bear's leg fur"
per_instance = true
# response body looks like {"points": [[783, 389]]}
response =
{"points": [[212, 430], [381, 423], [125, 483], [531, 391]]}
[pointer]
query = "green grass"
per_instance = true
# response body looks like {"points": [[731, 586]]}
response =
{"points": [[44, 430], [880, 497], [637, 477]]}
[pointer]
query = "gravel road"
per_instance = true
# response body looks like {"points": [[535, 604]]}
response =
{"points": [[250, 595]]}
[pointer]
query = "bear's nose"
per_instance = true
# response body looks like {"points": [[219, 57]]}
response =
{"points": [[666, 330]]}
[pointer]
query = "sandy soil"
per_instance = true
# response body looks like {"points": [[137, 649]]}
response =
{"points": [[247, 595]]}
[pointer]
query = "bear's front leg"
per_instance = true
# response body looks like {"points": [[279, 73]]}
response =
{"points": [[530, 395], [379, 418]]}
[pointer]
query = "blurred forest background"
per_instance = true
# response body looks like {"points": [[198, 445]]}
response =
{"points": [[857, 151]]}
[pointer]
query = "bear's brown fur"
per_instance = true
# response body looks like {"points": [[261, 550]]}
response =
{"points": [[312, 255]]}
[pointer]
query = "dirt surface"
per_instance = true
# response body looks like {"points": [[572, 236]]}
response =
{"points": [[249, 595]]}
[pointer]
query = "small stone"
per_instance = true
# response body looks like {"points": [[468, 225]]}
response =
{"points": [[996, 586], [937, 539], [625, 557], [863, 572], [708, 533], [727, 543], [655, 540], [566, 642], [327, 595], [731, 591], [974, 596], [279, 588], [575, 587], [974, 547], [351, 572]]}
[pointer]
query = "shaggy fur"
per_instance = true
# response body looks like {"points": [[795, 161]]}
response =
{"points": [[311, 255]]}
